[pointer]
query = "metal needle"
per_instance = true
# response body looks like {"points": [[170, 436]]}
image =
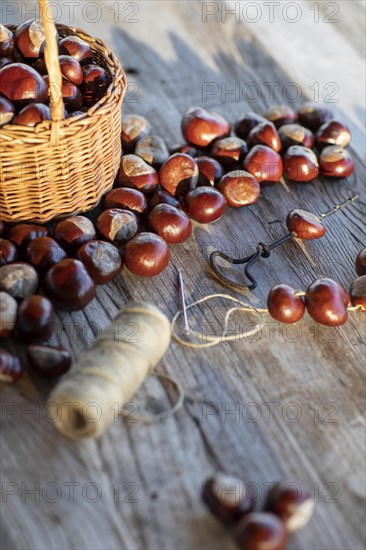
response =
{"points": [[183, 301]]}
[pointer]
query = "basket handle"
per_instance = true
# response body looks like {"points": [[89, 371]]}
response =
{"points": [[53, 70]]}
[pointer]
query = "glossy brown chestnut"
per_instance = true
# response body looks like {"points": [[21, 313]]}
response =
{"points": [[260, 531], [22, 84], [265, 133], [185, 148], [71, 94], [36, 317], [96, 81], [292, 503], [49, 361], [10, 368], [300, 164], [76, 48], [239, 188], [7, 41], [280, 115], [136, 173], [333, 133], [230, 152], [283, 305], [201, 127], [227, 498], [146, 254], [2, 228], [101, 259], [173, 225], [8, 252], [305, 225], [358, 292], [312, 116], [7, 111], [153, 150], [127, 199], [8, 314], [205, 204], [246, 122], [71, 233], [30, 38], [294, 134], [20, 280], [134, 128], [69, 285], [32, 114], [162, 197], [336, 162], [179, 174], [44, 252], [210, 171], [326, 302], [361, 262], [71, 69], [264, 164], [117, 225], [22, 233]]}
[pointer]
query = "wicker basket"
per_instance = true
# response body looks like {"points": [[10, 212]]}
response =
{"points": [[62, 166]]}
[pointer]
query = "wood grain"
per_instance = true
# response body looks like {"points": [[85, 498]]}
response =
{"points": [[149, 477]]}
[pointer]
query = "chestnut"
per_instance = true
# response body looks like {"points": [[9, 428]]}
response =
{"points": [[313, 116], [227, 498], [336, 162], [326, 302], [134, 128], [136, 173], [22, 84], [246, 122], [71, 69], [201, 128], [292, 503], [305, 225], [96, 82], [294, 134], [76, 48], [173, 225], [239, 188], [32, 114], [2, 228], [300, 164], [22, 233], [283, 305], [36, 316], [358, 292], [69, 285], [117, 225], [162, 197], [8, 315], [10, 368], [361, 262], [153, 150], [204, 204], [179, 174], [72, 232], [264, 164], [71, 95], [127, 199], [146, 254], [30, 39], [44, 252], [20, 280], [48, 361], [8, 252], [7, 111], [229, 151], [7, 41], [210, 171], [185, 148], [6, 61], [333, 133], [101, 259], [265, 133], [280, 115], [260, 531]]}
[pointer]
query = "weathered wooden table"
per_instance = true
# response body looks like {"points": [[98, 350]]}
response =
{"points": [[288, 404]]}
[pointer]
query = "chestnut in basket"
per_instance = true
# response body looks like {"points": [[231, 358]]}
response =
{"points": [[153, 150], [101, 259], [71, 94], [134, 128], [72, 232], [7, 111], [71, 69], [201, 127], [36, 317], [204, 204], [49, 361], [21, 233], [246, 122], [10, 367], [117, 225], [32, 114], [173, 225], [8, 314], [76, 48], [127, 199], [8, 252], [136, 173], [69, 285], [6, 61], [229, 151], [146, 254], [30, 39], [43, 253], [7, 41], [210, 171], [95, 84], [22, 84], [179, 174]]}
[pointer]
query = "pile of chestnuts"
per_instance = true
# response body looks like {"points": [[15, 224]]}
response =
{"points": [[287, 508], [24, 83]]}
